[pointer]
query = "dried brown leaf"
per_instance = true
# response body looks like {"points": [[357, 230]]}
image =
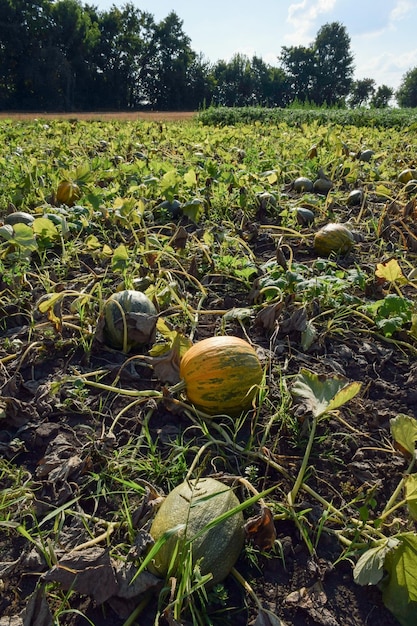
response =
{"points": [[37, 611], [268, 316], [260, 529], [88, 571]]}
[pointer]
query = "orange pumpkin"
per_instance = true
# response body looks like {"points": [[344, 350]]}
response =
{"points": [[221, 375]]}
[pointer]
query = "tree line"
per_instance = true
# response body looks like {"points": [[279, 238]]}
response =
{"points": [[62, 55]]}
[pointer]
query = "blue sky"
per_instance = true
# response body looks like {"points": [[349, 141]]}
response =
{"points": [[382, 32]]}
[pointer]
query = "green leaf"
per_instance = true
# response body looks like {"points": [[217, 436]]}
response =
{"points": [[383, 191], [369, 569], [168, 184], [238, 313], [24, 237], [190, 178], [120, 257], [411, 494], [400, 589], [308, 336], [45, 229], [391, 313], [323, 393], [173, 339], [404, 431], [83, 173], [193, 209], [50, 301]]}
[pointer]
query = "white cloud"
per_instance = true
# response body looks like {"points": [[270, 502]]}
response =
{"points": [[303, 15], [388, 68], [401, 10]]}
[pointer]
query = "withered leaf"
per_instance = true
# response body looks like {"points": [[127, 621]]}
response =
{"points": [[268, 316], [17, 413], [61, 459], [37, 611], [260, 529], [312, 600], [88, 571], [180, 238], [130, 585]]}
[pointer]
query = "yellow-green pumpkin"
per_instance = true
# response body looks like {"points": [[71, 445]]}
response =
{"points": [[189, 508], [333, 238], [221, 375], [68, 193]]}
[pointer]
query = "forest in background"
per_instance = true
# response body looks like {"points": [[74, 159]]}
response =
{"points": [[63, 55]]}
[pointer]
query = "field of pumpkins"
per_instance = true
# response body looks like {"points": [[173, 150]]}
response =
{"points": [[208, 373]]}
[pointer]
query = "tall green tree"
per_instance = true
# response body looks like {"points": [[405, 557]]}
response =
{"points": [[234, 83], [23, 30], [269, 84], [382, 97], [333, 64], [122, 57], [61, 73], [322, 72], [200, 84], [299, 66], [361, 92], [407, 91], [172, 62]]}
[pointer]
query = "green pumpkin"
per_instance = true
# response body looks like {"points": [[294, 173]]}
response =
{"points": [[333, 238], [193, 505], [129, 320]]}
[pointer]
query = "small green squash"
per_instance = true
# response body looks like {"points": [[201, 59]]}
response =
{"points": [[303, 185], [193, 505], [19, 217], [355, 197], [129, 320], [221, 375], [333, 238]]}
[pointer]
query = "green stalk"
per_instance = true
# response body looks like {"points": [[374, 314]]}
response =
{"points": [[297, 485], [389, 507], [132, 393]]}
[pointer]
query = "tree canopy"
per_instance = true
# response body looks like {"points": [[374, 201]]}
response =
{"points": [[65, 55], [407, 92]]}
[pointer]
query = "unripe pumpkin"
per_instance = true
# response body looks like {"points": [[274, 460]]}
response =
{"points": [[333, 238], [194, 504], [303, 184], [19, 217], [221, 375], [128, 315]]}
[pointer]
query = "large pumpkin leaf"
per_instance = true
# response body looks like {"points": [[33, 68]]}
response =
{"points": [[391, 272], [323, 393], [24, 238], [400, 590], [404, 432], [369, 569]]}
